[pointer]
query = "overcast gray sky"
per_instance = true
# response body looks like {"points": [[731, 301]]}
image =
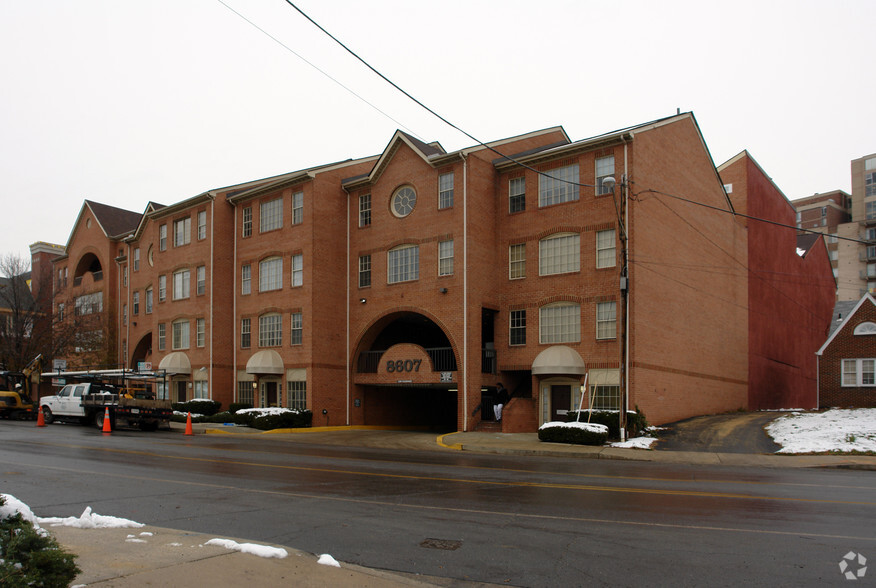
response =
{"points": [[124, 102]]}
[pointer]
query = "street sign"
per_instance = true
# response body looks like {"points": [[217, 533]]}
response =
{"points": [[59, 364]]}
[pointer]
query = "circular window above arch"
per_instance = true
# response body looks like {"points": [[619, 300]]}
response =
{"points": [[403, 201]]}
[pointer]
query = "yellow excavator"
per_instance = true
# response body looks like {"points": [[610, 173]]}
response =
{"points": [[15, 389]]}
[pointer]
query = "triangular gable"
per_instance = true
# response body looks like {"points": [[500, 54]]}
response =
{"points": [[846, 321], [115, 222]]}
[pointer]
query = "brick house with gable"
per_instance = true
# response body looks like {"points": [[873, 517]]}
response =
{"points": [[847, 360]]}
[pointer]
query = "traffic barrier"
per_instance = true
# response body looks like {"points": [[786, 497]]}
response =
{"points": [[106, 422], [41, 420], [189, 424]]}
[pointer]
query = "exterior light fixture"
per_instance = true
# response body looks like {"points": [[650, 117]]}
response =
{"points": [[363, 300]]}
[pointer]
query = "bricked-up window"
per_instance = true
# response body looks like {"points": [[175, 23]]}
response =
{"points": [[517, 261], [182, 231], [605, 397], [605, 248], [604, 169], [296, 395], [559, 254], [559, 323], [247, 221], [297, 336], [558, 185], [298, 270], [517, 333], [445, 258], [270, 274], [364, 271], [859, 372], [201, 276], [297, 208], [181, 281], [162, 237], [270, 330], [181, 334], [149, 300], [202, 224], [135, 304], [245, 333], [246, 279], [162, 288], [136, 259], [606, 320], [445, 190], [517, 194], [271, 215], [200, 332], [364, 210], [403, 264], [162, 336]]}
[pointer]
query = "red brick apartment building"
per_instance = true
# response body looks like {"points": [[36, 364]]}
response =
{"points": [[399, 289]]}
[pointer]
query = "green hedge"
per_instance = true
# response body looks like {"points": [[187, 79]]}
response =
{"points": [[636, 422], [575, 435], [297, 419], [235, 406], [204, 407]]}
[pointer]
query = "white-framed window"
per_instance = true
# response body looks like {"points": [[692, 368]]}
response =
{"points": [[558, 185], [180, 339], [149, 300], [125, 277], [870, 184], [445, 258], [271, 215], [201, 389], [559, 254], [445, 190], [364, 271], [270, 330], [403, 264], [604, 169], [517, 327], [136, 259], [298, 270], [125, 313], [606, 320], [200, 332], [162, 288], [297, 335], [162, 237], [88, 304], [246, 226], [296, 395], [245, 333], [135, 303], [201, 279], [181, 283], [202, 224], [270, 274], [859, 372], [605, 248], [364, 210], [298, 208], [245, 279], [517, 261], [605, 397], [559, 322], [182, 231], [162, 336], [517, 194]]}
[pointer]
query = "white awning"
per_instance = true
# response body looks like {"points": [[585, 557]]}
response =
{"points": [[265, 362], [558, 360], [175, 363]]}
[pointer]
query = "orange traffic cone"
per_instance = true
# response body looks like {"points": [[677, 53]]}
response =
{"points": [[106, 422], [41, 420], [189, 424]]}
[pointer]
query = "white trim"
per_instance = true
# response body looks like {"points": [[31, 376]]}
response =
{"points": [[846, 321]]}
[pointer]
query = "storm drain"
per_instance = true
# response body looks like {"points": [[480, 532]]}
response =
{"points": [[445, 544]]}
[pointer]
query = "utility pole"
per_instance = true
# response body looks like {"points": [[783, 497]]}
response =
{"points": [[621, 314]]}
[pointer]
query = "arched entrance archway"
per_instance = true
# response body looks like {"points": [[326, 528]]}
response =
{"points": [[559, 370], [142, 351]]}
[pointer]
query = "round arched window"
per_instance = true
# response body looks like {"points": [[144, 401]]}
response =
{"points": [[403, 201]]}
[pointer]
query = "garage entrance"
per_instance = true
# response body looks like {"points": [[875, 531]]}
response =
{"points": [[428, 407]]}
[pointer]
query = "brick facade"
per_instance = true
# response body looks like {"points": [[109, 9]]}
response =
{"points": [[845, 344]]}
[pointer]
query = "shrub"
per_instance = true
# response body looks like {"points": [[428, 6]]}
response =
{"points": [[198, 406], [266, 421], [577, 433], [636, 422]]}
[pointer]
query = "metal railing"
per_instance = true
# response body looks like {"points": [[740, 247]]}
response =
{"points": [[443, 360]]}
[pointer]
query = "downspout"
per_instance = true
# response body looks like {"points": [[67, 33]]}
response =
{"points": [[626, 184], [347, 326], [128, 319], [212, 273], [234, 319], [465, 292]]}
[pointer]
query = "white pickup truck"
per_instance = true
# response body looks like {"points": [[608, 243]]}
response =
{"points": [[90, 402]]}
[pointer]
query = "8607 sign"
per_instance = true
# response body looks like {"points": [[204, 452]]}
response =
{"points": [[403, 365]]}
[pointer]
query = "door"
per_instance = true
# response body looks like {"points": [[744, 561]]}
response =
{"points": [[561, 401], [181, 391], [270, 391]]}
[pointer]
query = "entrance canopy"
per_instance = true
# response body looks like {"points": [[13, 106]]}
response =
{"points": [[175, 363], [558, 360], [267, 362]]}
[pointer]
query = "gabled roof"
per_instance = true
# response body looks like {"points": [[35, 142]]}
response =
{"points": [[806, 241], [115, 222], [23, 294], [842, 315]]}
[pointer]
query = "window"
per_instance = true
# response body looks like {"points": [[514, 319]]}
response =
{"points": [[201, 389], [298, 269], [606, 322], [244, 392], [162, 237], [88, 304], [270, 274], [558, 185], [296, 395], [604, 169], [271, 215], [200, 332], [870, 163], [605, 397], [60, 311], [364, 210], [136, 259], [870, 210], [135, 304], [859, 372], [245, 279], [870, 184], [182, 231], [403, 201], [201, 279], [124, 277], [162, 288], [181, 281], [247, 222], [364, 271], [445, 258], [150, 256], [517, 261], [517, 194], [202, 224], [148, 300], [162, 336], [559, 254], [245, 326], [297, 336], [605, 253], [871, 234], [270, 332], [445, 190], [517, 333], [125, 313], [559, 323], [297, 208], [180, 334], [403, 264]]}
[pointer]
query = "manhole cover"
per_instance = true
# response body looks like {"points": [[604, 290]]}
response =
{"points": [[446, 544]]}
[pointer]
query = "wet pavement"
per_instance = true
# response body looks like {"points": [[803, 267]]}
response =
{"points": [[721, 433]]}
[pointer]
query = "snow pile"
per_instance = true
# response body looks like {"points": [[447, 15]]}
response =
{"points": [[835, 430], [327, 560], [592, 427], [635, 443], [12, 505], [266, 411], [89, 520], [259, 550]]}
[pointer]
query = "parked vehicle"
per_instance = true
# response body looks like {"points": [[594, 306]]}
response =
{"points": [[15, 388]]}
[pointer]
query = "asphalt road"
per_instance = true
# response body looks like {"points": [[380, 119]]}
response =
{"points": [[737, 432], [496, 519]]}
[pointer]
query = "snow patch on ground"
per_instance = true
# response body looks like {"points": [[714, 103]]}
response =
{"points": [[326, 560], [592, 427], [252, 548], [89, 520], [835, 430], [635, 443]]}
